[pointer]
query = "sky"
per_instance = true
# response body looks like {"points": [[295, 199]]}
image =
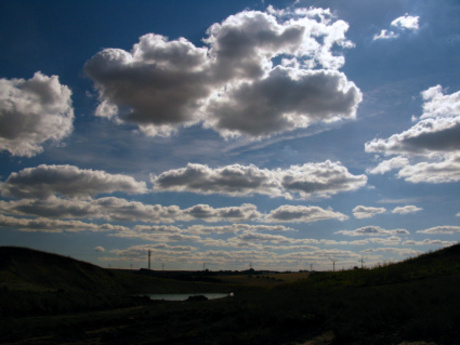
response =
{"points": [[281, 135]]}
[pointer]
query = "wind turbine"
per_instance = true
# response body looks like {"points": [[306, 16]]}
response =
{"points": [[333, 263]]}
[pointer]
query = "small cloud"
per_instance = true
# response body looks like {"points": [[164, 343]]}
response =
{"points": [[406, 209], [387, 165], [441, 230], [406, 22], [362, 212], [372, 230], [399, 25], [99, 249], [385, 34], [304, 214]]}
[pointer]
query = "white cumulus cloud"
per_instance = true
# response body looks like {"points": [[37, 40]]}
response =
{"points": [[232, 83], [406, 209], [429, 151], [32, 112], [398, 26]]}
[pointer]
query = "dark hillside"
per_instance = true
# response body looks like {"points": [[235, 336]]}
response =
{"points": [[36, 283], [417, 299], [31, 270]]}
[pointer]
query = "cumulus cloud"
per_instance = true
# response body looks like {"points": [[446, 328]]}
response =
{"points": [[399, 251], [109, 208], [234, 180], [437, 131], [232, 84], [42, 224], [441, 230], [260, 237], [399, 25], [362, 212], [67, 180], [245, 212], [99, 249], [385, 35], [429, 151], [234, 228], [311, 179], [406, 209], [444, 171], [428, 242], [160, 251], [286, 99], [156, 233], [320, 179], [388, 165], [302, 214], [406, 22], [32, 112], [373, 230], [118, 209]]}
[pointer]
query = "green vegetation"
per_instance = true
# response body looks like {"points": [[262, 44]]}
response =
{"points": [[415, 300]]}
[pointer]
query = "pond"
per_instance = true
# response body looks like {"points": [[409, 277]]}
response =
{"points": [[185, 296]]}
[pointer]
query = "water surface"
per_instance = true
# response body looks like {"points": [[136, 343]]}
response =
{"points": [[184, 296]]}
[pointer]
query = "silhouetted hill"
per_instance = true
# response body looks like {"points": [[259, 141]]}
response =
{"points": [[36, 283], [32, 270], [411, 301]]}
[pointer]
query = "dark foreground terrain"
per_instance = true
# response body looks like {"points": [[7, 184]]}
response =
{"points": [[49, 299]]}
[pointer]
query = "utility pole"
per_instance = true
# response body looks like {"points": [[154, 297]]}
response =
{"points": [[311, 267], [150, 256], [362, 262]]}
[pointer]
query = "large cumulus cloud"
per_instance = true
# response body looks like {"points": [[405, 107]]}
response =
{"points": [[429, 151], [286, 99], [32, 112], [232, 84]]}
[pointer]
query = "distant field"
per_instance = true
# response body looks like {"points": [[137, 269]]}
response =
{"points": [[263, 280]]}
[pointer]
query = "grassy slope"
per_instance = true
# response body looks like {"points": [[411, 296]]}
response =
{"points": [[417, 299]]}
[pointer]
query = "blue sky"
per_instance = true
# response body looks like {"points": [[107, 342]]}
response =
{"points": [[282, 134]]}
